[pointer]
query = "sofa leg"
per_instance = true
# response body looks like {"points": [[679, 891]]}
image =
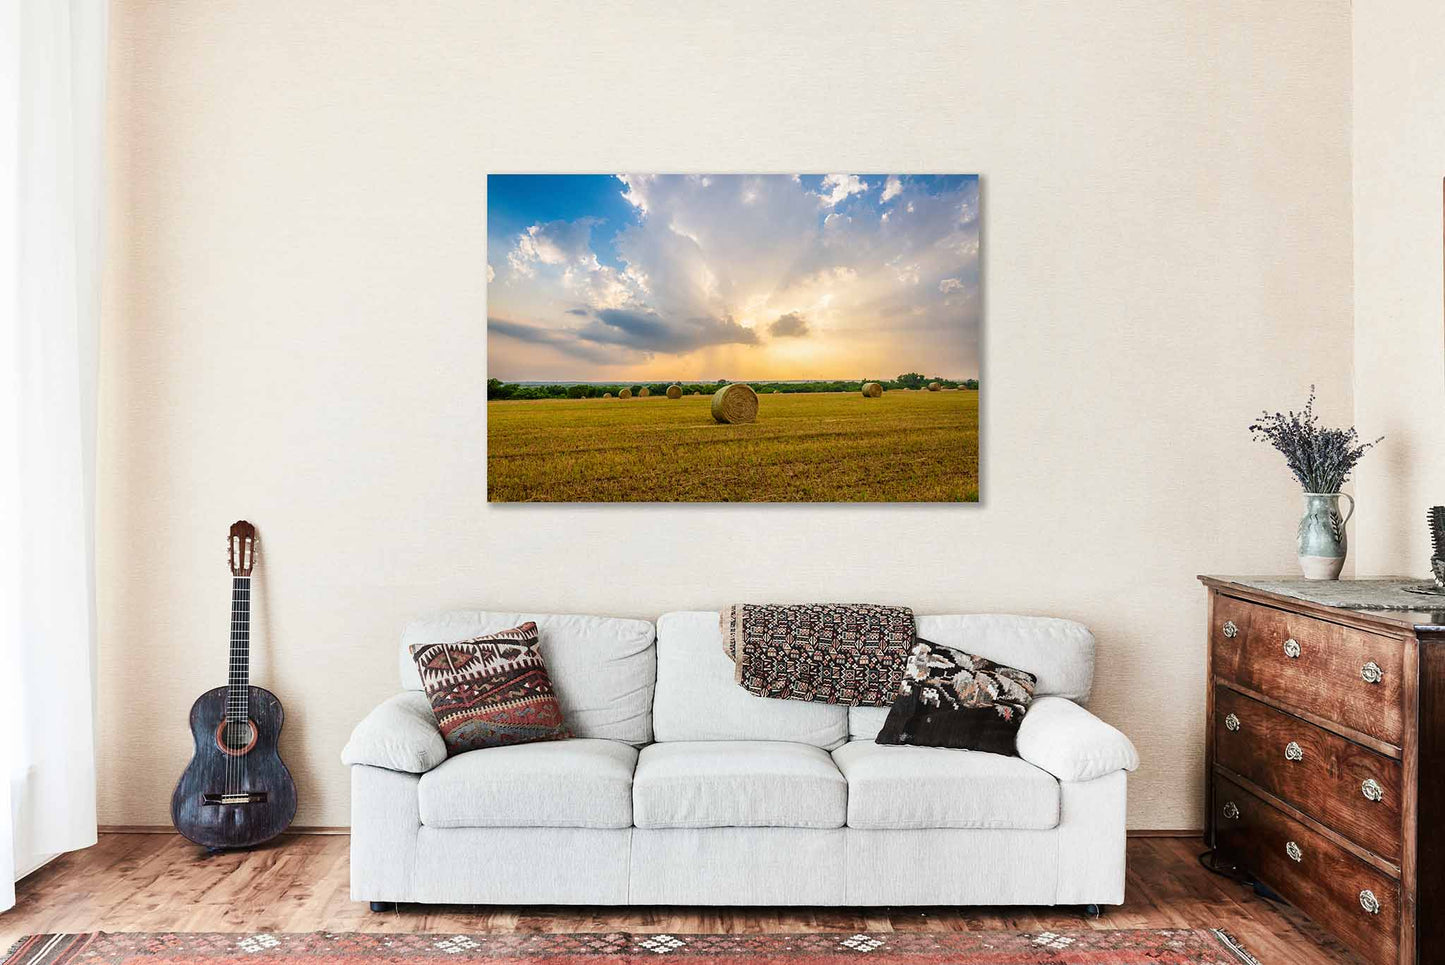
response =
{"points": [[380, 906], [1093, 911]]}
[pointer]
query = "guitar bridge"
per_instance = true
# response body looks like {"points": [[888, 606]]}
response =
{"points": [[238, 797]]}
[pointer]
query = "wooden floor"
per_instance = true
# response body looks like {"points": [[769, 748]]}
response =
{"points": [[160, 882]]}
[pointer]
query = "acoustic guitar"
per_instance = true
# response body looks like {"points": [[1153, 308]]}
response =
{"points": [[235, 793]]}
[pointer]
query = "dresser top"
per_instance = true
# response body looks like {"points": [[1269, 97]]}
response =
{"points": [[1390, 601]]}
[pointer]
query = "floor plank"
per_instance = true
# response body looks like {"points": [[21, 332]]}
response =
{"points": [[160, 882]]}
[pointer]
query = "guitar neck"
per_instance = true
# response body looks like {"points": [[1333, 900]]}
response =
{"points": [[238, 680]]}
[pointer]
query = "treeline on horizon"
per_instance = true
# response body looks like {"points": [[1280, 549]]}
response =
{"points": [[499, 390]]}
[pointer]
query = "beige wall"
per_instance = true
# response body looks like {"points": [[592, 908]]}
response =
{"points": [[1399, 161], [295, 328]]}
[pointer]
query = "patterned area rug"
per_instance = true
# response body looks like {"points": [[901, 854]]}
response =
{"points": [[1100, 947]]}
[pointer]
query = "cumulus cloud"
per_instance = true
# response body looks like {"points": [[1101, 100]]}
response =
{"points": [[553, 243], [950, 285], [600, 286], [892, 188], [791, 325], [636, 189], [491, 275], [838, 187]]}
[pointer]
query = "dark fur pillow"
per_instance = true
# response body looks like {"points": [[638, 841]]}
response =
{"points": [[955, 699]]}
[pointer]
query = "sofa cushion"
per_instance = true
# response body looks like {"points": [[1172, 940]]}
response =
{"points": [[491, 691], [602, 668], [737, 784], [950, 698], [1059, 653], [580, 783], [892, 787], [698, 698]]}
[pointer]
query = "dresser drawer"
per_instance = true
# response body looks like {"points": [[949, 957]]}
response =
{"points": [[1337, 782], [1357, 902], [1335, 672]]}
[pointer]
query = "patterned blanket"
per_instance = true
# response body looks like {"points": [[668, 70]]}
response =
{"points": [[830, 653]]}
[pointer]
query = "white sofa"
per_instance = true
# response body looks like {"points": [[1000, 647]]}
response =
{"points": [[681, 788]]}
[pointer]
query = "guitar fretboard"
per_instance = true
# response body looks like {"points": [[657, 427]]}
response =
{"points": [[238, 680]]}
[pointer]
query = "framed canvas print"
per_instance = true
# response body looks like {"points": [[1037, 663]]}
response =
{"points": [[733, 338]]}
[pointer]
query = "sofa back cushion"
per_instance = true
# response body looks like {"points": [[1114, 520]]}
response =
{"points": [[1059, 653], [602, 668], [698, 699]]}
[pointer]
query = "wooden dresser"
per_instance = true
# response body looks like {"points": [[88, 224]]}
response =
{"points": [[1325, 749]]}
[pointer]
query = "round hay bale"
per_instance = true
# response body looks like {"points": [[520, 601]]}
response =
{"points": [[674, 391], [934, 386], [696, 392], [872, 390], [643, 392], [606, 395], [625, 394], [734, 404]]}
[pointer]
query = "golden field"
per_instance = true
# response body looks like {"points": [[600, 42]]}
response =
{"points": [[908, 446]]}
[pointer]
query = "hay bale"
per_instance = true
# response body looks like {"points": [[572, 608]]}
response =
{"points": [[625, 394], [674, 391], [934, 386], [696, 392], [643, 392], [872, 390], [606, 395], [735, 404]]}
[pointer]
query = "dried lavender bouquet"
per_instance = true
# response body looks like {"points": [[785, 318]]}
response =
{"points": [[1320, 458]]}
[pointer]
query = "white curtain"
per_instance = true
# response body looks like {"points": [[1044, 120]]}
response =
{"points": [[52, 82]]}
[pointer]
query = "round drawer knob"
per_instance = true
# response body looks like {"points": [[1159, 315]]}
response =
{"points": [[1231, 810], [1293, 752], [1372, 790], [1369, 902], [1292, 648], [1292, 849], [1371, 673], [1231, 723], [1230, 630]]}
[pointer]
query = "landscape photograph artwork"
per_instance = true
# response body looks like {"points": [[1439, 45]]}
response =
{"points": [[733, 338]]}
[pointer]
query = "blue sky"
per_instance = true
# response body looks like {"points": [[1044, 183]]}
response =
{"points": [[732, 276]]}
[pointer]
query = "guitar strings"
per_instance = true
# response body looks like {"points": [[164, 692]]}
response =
{"points": [[238, 710], [226, 728], [237, 697], [243, 712], [235, 727]]}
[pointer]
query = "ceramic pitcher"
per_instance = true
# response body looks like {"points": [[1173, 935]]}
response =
{"points": [[1321, 544]]}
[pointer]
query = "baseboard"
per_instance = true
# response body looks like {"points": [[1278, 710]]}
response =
{"points": [[168, 829], [323, 829]]}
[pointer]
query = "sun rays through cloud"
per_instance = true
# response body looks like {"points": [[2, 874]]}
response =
{"points": [[739, 277]]}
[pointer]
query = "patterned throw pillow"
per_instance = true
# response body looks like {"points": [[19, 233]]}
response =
{"points": [[491, 690], [955, 699]]}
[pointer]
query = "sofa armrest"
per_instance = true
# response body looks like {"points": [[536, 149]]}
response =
{"points": [[399, 735], [1072, 744]]}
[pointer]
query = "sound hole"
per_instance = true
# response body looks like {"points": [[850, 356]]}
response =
{"points": [[237, 734], [235, 737]]}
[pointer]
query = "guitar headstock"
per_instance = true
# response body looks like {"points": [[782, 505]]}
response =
{"points": [[241, 548]]}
